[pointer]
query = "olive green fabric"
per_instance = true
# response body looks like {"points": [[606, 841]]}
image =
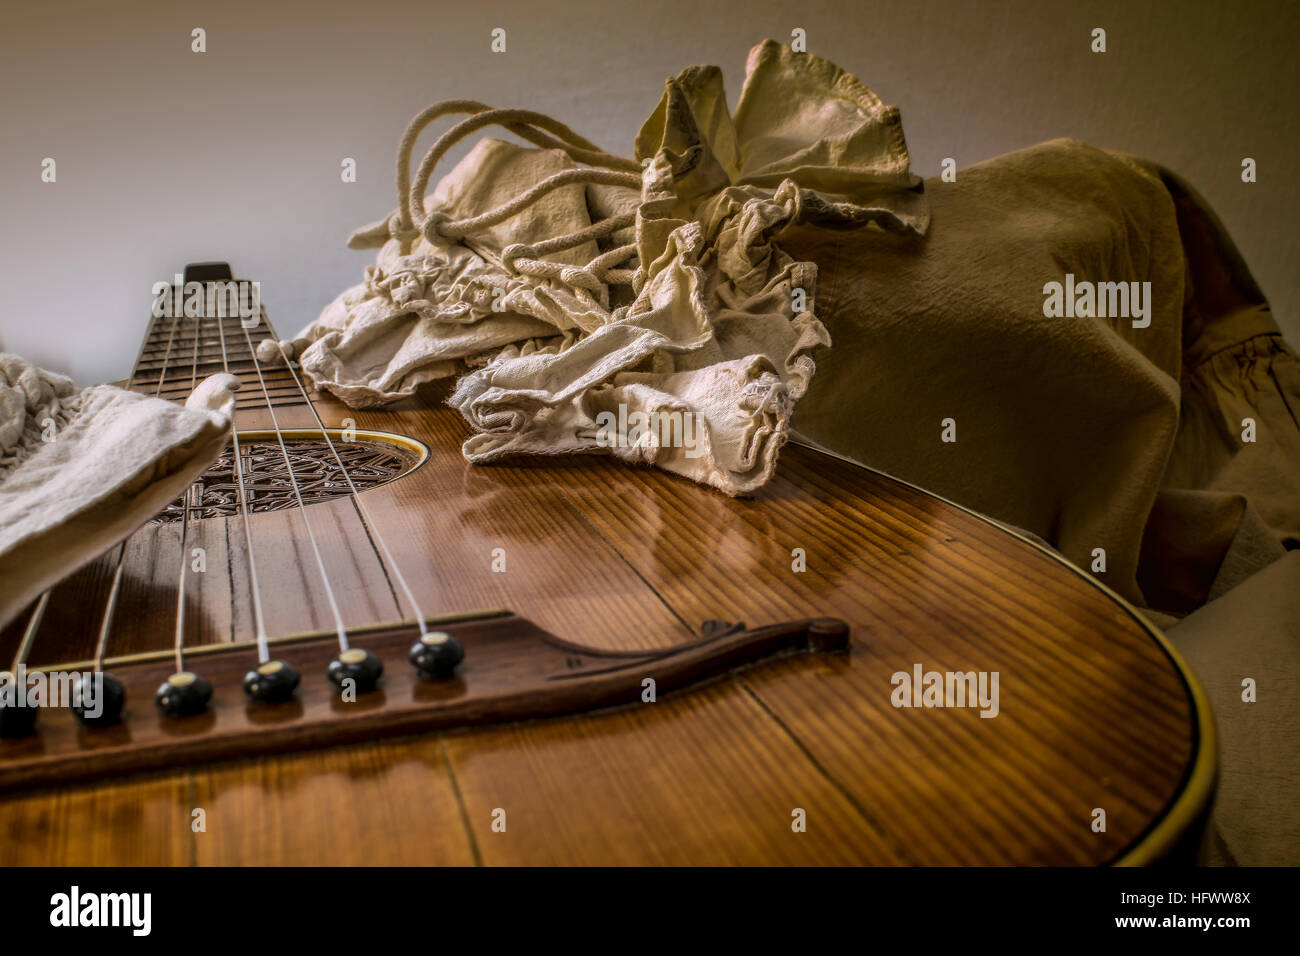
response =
{"points": [[1088, 432]]}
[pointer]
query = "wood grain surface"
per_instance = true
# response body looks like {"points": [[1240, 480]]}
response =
{"points": [[1094, 711]]}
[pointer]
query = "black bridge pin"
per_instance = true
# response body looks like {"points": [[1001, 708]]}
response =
{"points": [[104, 707], [184, 694], [17, 719], [361, 666], [271, 682], [436, 654]]}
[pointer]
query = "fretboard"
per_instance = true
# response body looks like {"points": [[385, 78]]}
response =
{"points": [[179, 352]]}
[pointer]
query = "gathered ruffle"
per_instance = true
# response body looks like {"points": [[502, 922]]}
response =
{"points": [[589, 304]]}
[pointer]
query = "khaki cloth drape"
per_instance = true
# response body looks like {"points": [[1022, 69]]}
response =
{"points": [[1088, 432]]}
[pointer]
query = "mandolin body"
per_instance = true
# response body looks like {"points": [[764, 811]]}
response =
{"points": [[787, 759]]}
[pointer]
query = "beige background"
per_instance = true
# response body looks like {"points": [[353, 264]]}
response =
{"points": [[166, 156]]}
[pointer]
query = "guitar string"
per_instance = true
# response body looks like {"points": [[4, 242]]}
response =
{"points": [[297, 493], [34, 622], [364, 512], [185, 530], [194, 371], [167, 354], [110, 605], [29, 635], [263, 652], [180, 586], [262, 638]]}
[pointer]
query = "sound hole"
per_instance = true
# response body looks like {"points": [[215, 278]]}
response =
{"points": [[267, 485]]}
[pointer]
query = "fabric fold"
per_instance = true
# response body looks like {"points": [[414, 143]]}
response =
{"points": [[80, 469], [653, 317]]}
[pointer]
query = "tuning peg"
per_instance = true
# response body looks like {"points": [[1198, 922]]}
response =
{"points": [[363, 667], [436, 654], [184, 694], [271, 682], [107, 700]]}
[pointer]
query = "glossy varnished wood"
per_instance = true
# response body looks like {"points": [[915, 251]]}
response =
{"points": [[1094, 713]]}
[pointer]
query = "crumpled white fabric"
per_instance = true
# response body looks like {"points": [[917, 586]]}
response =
{"points": [[698, 366], [80, 469]]}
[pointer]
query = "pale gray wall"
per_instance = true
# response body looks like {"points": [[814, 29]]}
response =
{"points": [[166, 156]]}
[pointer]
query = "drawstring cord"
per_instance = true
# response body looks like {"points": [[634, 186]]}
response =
{"points": [[410, 221]]}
